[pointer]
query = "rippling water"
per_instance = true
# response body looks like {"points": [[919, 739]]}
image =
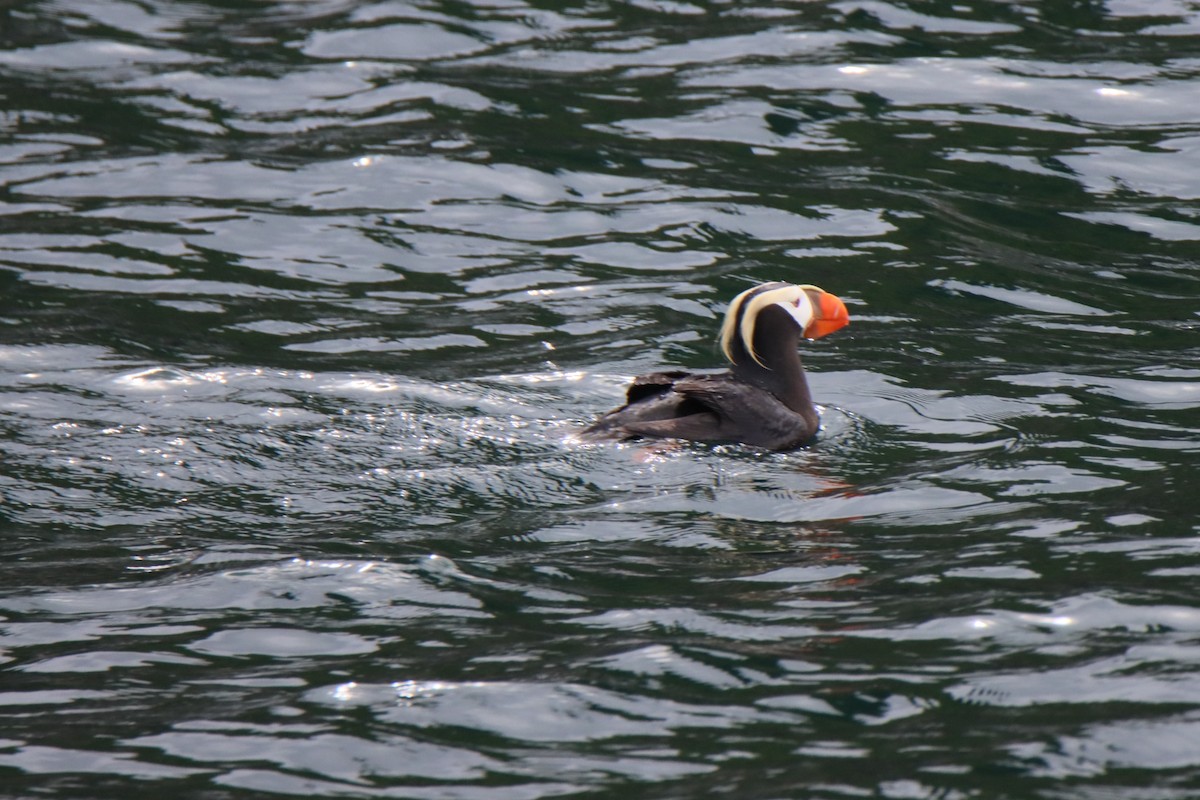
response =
{"points": [[302, 303]]}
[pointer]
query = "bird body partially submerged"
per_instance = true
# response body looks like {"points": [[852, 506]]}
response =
{"points": [[763, 400]]}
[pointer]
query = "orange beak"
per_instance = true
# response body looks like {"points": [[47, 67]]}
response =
{"points": [[831, 316]]}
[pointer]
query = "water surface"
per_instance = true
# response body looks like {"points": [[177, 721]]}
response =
{"points": [[302, 304]]}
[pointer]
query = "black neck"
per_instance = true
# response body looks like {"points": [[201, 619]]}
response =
{"points": [[776, 339]]}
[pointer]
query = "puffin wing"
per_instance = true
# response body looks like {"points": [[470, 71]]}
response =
{"points": [[726, 410], [650, 398], [655, 383]]}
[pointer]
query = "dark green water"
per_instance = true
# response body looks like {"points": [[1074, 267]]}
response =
{"points": [[301, 304]]}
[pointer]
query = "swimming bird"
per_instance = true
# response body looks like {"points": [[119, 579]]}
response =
{"points": [[762, 400]]}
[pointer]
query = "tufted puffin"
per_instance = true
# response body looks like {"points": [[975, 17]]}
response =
{"points": [[763, 400]]}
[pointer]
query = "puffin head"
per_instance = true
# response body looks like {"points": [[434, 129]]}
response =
{"points": [[815, 312]]}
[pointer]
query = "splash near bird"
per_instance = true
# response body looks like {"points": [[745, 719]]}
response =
{"points": [[762, 400]]}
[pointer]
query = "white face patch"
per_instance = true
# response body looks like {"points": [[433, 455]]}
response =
{"points": [[801, 310]]}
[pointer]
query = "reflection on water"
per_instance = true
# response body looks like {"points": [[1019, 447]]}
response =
{"points": [[301, 306]]}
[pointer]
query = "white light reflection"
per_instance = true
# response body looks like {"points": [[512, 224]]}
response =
{"points": [[560, 290], [545, 377], [407, 690], [414, 690], [1061, 621], [156, 378], [365, 385], [356, 566], [345, 692]]}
